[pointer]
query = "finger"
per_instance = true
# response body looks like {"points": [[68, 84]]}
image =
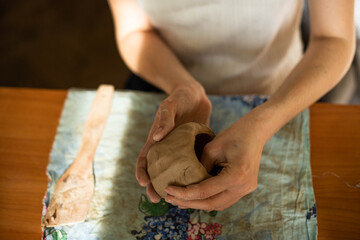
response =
{"points": [[150, 191], [204, 189], [141, 165], [217, 202], [166, 121], [161, 117], [211, 155], [207, 160], [141, 172]]}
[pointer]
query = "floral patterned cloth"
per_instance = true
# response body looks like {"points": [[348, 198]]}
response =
{"points": [[282, 207]]}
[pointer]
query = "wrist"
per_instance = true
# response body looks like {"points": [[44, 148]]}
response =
{"points": [[192, 86], [265, 120]]}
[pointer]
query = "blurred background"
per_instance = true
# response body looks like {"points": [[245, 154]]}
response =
{"points": [[58, 44], [62, 44]]}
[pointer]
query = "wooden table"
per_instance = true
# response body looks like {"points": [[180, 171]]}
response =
{"points": [[28, 121]]}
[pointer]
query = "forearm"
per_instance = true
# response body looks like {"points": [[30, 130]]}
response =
{"points": [[322, 67], [148, 56], [143, 50]]}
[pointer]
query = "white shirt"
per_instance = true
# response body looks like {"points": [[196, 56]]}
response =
{"points": [[231, 46]]}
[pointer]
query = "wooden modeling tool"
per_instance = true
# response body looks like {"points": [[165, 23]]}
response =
{"points": [[73, 192]]}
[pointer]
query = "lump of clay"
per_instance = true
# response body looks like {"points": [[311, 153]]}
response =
{"points": [[175, 159]]}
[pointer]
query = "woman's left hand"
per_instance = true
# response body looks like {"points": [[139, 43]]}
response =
{"points": [[238, 150]]}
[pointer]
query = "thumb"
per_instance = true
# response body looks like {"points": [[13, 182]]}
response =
{"points": [[209, 157], [166, 122], [213, 158]]}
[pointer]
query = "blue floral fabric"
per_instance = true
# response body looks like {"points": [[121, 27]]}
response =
{"points": [[282, 207]]}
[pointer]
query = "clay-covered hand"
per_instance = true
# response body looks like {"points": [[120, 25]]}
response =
{"points": [[184, 104], [238, 150]]}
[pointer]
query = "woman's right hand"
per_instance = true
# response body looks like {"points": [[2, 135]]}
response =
{"points": [[184, 104]]}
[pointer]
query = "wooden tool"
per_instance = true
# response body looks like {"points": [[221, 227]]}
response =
{"points": [[73, 192]]}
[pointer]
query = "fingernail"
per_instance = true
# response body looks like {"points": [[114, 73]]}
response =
{"points": [[157, 134], [168, 200], [168, 191], [143, 183], [155, 200]]}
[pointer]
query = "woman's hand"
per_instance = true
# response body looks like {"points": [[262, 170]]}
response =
{"points": [[184, 104], [238, 150]]}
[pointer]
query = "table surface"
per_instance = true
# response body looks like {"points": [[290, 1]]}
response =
{"points": [[28, 121]]}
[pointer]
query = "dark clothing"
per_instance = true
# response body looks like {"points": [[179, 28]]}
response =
{"points": [[134, 82]]}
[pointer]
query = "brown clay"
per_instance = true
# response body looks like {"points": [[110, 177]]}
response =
{"points": [[175, 159]]}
